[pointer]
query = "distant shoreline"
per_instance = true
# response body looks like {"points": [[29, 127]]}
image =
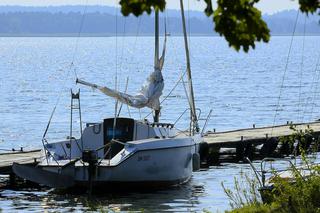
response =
{"points": [[72, 35], [68, 21]]}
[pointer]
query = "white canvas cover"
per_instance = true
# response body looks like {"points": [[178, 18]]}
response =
{"points": [[150, 92], [148, 96]]}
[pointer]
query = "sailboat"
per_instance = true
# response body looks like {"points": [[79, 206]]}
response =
{"points": [[123, 151]]}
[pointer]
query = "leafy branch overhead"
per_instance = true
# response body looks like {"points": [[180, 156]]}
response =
{"points": [[239, 21], [137, 7], [309, 6]]}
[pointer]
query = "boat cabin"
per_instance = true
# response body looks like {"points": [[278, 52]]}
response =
{"points": [[96, 136]]}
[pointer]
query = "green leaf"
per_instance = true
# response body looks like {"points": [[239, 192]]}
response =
{"points": [[240, 23], [138, 7], [309, 6]]}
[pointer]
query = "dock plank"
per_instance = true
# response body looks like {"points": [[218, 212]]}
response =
{"points": [[255, 133], [227, 139], [7, 159]]}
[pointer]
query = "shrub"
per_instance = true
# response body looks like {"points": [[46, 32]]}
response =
{"points": [[299, 195]]}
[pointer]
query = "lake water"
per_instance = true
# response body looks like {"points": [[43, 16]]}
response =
{"points": [[241, 89]]}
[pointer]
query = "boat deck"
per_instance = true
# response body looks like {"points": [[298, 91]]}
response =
{"points": [[242, 141]]}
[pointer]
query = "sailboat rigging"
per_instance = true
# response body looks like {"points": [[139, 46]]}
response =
{"points": [[194, 120], [150, 92], [143, 153]]}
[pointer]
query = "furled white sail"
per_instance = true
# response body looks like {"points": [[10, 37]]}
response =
{"points": [[149, 94]]}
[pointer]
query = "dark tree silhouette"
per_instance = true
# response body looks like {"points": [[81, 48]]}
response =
{"points": [[239, 21]]}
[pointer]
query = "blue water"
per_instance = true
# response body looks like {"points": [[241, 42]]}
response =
{"points": [[242, 89]]}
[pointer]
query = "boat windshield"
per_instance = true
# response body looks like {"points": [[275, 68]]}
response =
{"points": [[119, 133], [123, 132]]}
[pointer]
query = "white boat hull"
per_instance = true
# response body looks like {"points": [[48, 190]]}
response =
{"points": [[155, 156], [158, 165], [151, 167]]}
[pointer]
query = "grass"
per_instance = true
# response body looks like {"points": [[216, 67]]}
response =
{"points": [[302, 195]]}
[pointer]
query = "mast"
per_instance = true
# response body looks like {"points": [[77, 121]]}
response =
{"points": [[156, 56], [156, 40], [194, 119]]}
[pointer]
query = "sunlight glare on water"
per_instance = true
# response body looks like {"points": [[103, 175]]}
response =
{"points": [[242, 89]]}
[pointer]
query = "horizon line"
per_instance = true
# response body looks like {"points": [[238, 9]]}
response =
{"points": [[100, 5]]}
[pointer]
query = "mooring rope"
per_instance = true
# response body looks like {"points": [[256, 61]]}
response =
{"points": [[122, 49], [132, 56], [56, 104], [78, 37], [116, 84], [64, 82], [168, 95], [301, 69], [284, 73], [70, 68], [315, 92], [189, 27]]}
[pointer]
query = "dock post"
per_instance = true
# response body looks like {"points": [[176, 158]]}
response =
{"points": [[249, 151], [308, 139], [268, 148], [285, 149], [214, 155], [204, 155], [240, 150], [12, 179]]}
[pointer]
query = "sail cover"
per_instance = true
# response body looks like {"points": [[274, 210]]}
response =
{"points": [[148, 96], [150, 92]]}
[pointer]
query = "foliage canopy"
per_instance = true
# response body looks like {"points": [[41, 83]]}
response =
{"points": [[239, 21]]}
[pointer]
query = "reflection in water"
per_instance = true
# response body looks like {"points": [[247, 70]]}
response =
{"points": [[224, 80], [181, 198], [203, 192]]}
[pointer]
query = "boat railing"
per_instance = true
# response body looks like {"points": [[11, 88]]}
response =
{"points": [[262, 174], [206, 122], [92, 124], [47, 152], [257, 173], [95, 125], [186, 110], [168, 125], [108, 145]]}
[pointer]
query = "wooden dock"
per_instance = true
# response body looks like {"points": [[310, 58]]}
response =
{"points": [[22, 157], [255, 134], [255, 143]]}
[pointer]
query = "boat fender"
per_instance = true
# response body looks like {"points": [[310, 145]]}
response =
{"points": [[195, 162]]}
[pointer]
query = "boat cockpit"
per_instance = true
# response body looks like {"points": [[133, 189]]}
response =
{"points": [[97, 136]]}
